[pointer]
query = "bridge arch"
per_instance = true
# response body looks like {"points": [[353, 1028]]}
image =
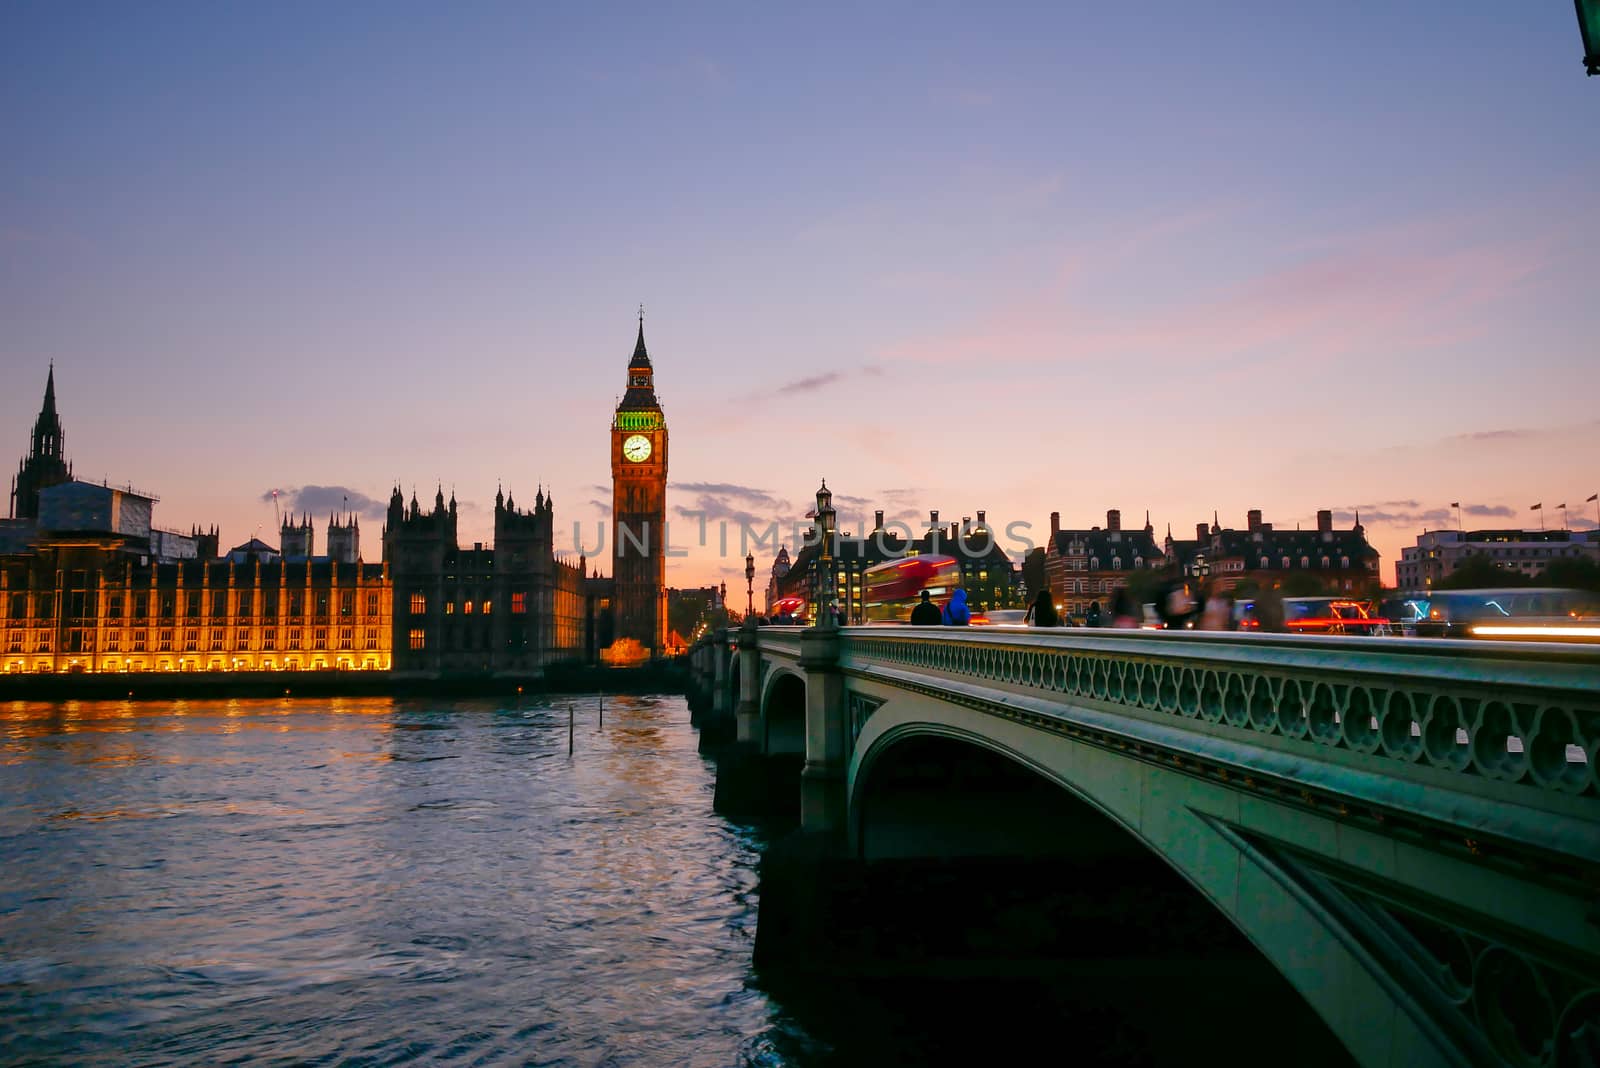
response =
{"points": [[783, 713], [940, 781]]}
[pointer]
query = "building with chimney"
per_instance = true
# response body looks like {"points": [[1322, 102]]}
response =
{"points": [[1086, 567], [1260, 556]]}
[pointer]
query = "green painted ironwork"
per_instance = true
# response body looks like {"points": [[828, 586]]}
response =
{"points": [[637, 420]]}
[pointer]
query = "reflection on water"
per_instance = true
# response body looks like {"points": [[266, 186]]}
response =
{"points": [[296, 880], [378, 881]]}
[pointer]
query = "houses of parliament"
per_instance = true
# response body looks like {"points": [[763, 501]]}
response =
{"points": [[88, 583]]}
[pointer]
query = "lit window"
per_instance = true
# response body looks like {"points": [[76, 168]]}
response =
{"points": [[449, 608], [346, 637], [417, 639], [419, 604], [320, 639], [372, 604], [519, 603], [488, 606], [113, 642], [466, 606]]}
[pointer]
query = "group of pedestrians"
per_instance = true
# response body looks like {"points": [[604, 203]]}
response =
{"points": [[1178, 605], [954, 614]]}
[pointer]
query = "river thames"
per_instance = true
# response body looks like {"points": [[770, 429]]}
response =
{"points": [[375, 881]]}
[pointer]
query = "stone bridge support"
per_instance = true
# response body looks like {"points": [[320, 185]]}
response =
{"points": [[823, 800]]}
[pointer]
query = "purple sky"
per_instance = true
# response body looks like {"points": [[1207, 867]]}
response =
{"points": [[1021, 259]]}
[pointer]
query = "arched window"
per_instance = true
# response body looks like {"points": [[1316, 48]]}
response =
{"points": [[1138, 562], [1264, 563], [1344, 561], [1305, 561], [1286, 563], [1326, 562], [1116, 563]]}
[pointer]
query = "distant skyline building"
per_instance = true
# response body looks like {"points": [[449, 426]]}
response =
{"points": [[1524, 553]]}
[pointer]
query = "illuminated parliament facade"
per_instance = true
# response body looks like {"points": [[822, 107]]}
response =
{"points": [[89, 584]]}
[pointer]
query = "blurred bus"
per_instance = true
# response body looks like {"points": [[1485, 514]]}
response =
{"points": [[890, 590], [1527, 613]]}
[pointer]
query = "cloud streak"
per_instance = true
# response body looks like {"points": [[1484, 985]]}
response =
{"points": [[321, 500]]}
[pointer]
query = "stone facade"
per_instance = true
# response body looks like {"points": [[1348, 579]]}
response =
{"points": [[507, 610]]}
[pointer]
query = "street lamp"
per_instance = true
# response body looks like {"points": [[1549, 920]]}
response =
{"points": [[750, 583], [825, 581], [1589, 27]]}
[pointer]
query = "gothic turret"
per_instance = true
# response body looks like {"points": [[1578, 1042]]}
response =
{"points": [[46, 463]]}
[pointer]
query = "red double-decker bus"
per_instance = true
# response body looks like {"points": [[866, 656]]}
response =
{"points": [[890, 590]]}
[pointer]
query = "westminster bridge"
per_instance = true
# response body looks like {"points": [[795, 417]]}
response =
{"points": [[1408, 830]]}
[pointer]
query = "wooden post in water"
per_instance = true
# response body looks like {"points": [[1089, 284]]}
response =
{"points": [[569, 728], [602, 724]]}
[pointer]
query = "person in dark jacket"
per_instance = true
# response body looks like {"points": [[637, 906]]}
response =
{"points": [[956, 613], [926, 614], [1091, 618], [1042, 613]]}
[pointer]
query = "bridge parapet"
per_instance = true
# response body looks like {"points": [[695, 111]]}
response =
{"points": [[1498, 712]]}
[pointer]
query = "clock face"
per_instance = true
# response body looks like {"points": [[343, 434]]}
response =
{"points": [[636, 448]]}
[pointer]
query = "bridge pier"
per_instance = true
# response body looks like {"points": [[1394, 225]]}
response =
{"points": [[747, 712], [716, 722], [823, 799]]}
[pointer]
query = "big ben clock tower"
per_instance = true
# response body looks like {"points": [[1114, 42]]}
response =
{"points": [[639, 507]]}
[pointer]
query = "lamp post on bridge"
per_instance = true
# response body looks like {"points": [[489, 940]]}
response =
{"points": [[750, 583], [826, 518], [1589, 28]]}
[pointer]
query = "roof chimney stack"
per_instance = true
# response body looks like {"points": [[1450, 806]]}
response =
{"points": [[877, 519], [1202, 532], [1055, 524], [1253, 519], [1114, 519]]}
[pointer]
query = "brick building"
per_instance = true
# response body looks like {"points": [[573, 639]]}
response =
{"points": [[1329, 559], [1085, 567]]}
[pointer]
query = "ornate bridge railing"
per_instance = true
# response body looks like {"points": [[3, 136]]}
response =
{"points": [[1501, 712]]}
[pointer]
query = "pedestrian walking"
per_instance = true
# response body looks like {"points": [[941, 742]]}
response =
{"points": [[1091, 618], [956, 613], [1042, 612], [926, 614]]}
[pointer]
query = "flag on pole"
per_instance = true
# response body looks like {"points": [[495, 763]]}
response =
{"points": [[1560, 506], [1455, 504], [1594, 497], [1534, 507]]}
